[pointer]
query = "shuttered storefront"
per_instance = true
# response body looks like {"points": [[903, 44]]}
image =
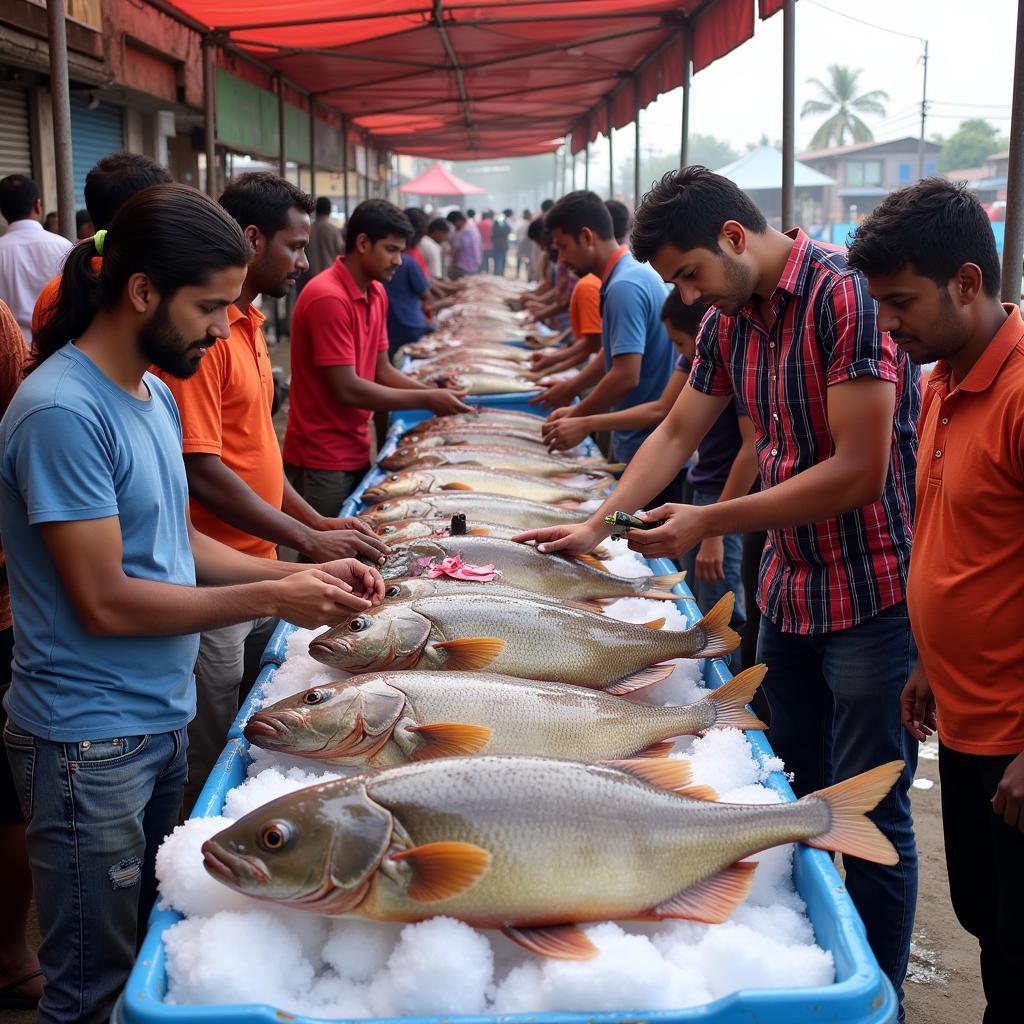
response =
{"points": [[94, 134], [15, 140]]}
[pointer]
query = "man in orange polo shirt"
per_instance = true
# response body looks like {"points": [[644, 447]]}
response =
{"points": [[930, 259], [237, 488]]}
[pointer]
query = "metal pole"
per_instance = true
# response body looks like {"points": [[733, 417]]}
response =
{"points": [[554, 178], [312, 147], [636, 144], [1013, 242], [574, 172], [586, 166], [611, 156], [788, 113], [210, 113], [924, 113], [344, 160], [684, 132], [282, 144], [60, 99]]}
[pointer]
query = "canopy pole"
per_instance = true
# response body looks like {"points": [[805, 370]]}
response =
{"points": [[282, 157], [636, 143], [554, 177], [1013, 241], [684, 131], [586, 166], [210, 113], [574, 172], [60, 99], [344, 161], [312, 146], [788, 114], [611, 156]]}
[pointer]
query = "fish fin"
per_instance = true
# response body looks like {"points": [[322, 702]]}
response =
{"points": [[711, 900], [638, 680], [719, 637], [654, 623], [594, 563], [557, 942], [732, 698], [602, 553], [450, 739], [660, 749], [671, 773], [443, 870], [471, 653], [479, 531], [455, 485], [667, 582], [849, 801]]}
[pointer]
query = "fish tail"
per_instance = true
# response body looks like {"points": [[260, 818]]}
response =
{"points": [[718, 638], [850, 831], [731, 700]]}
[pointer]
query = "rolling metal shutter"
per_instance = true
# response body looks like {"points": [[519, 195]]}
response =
{"points": [[94, 134], [15, 140]]}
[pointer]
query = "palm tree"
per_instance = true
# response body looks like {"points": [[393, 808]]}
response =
{"points": [[839, 101]]}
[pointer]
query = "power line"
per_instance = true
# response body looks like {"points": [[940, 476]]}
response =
{"points": [[979, 106], [861, 21]]}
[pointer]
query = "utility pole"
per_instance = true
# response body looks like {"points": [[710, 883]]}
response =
{"points": [[60, 97], [924, 113]]}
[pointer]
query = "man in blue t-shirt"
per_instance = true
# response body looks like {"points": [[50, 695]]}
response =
{"points": [[111, 585], [637, 359], [408, 289]]}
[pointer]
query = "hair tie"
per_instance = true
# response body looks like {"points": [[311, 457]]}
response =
{"points": [[98, 239]]}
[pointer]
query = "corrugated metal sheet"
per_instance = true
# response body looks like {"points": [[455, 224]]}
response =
{"points": [[15, 140], [94, 134]]}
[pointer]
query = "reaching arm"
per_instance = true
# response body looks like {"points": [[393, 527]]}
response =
{"points": [[565, 391], [397, 392], [622, 377]]}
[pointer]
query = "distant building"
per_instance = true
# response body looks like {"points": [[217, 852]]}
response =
{"points": [[866, 172]]}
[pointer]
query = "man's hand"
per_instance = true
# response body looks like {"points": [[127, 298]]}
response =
{"points": [[540, 361], [682, 528], [327, 545], [709, 566], [557, 416], [556, 396], [364, 581], [314, 598], [1009, 798], [917, 705], [344, 523], [578, 539], [445, 401], [565, 432]]}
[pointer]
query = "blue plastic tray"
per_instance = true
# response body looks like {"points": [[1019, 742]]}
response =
{"points": [[860, 994]]}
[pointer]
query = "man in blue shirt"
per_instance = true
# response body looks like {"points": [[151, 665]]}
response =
{"points": [[638, 358], [104, 564]]}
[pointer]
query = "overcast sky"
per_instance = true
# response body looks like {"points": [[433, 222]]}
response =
{"points": [[970, 71]]}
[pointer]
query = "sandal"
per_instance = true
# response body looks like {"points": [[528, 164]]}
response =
{"points": [[11, 999]]}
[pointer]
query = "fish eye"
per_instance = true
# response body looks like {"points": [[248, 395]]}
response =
{"points": [[386, 531], [394, 476], [315, 696], [358, 624], [275, 835], [393, 591]]}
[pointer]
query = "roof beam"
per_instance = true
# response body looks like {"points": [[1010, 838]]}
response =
{"points": [[459, 81]]}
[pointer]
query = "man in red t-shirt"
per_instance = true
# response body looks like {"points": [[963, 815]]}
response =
{"points": [[340, 369]]}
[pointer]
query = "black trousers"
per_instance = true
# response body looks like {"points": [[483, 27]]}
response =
{"points": [[985, 862]]}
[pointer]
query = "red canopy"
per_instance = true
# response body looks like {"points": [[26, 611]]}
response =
{"points": [[463, 80], [440, 182]]}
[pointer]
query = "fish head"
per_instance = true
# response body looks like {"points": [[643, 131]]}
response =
{"points": [[409, 588], [316, 849], [409, 529], [345, 722], [401, 458], [392, 636], [396, 485], [402, 560]]}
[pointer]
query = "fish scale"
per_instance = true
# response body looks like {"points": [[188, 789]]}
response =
{"points": [[495, 508], [471, 478]]}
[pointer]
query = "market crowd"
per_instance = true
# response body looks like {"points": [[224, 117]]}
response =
{"points": [[763, 389]]}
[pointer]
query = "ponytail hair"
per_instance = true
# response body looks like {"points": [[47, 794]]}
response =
{"points": [[172, 233]]}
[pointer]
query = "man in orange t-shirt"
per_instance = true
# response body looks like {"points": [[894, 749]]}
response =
{"points": [[930, 259], [237, 488]]}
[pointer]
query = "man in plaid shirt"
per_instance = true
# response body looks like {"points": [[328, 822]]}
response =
{"points": [[792, 335]]}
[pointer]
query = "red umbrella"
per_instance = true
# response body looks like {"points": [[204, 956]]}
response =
{"points": [[440, 182]]}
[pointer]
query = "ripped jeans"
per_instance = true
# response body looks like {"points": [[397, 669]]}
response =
{"points": [[96, 810]]}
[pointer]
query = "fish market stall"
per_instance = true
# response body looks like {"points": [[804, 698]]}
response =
{"points": [[791, 948]]}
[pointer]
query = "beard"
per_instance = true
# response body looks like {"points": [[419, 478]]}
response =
{"points": [[740, 282], [161, 344]]}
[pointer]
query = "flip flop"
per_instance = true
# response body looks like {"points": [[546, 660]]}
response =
{"points": [[10, 999]]}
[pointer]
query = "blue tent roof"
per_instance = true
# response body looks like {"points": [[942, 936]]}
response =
{"points": [[761, 170]]}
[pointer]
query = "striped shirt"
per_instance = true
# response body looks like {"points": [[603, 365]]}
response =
{"points": [[827, 576]]}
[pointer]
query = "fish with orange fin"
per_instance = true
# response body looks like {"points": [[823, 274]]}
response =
{"points": [[520, 636], [393, 718], [533, 846]]}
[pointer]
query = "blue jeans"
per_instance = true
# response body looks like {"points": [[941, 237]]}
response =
{"points": [[835, 712], [96, 810]]}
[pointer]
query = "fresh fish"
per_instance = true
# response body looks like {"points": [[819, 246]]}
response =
{"points": [[523, 566], [536, 464], [396, 717], [530, 845], [495, 508], [479, 439], [473, 478], [480, 382], [486, 417], [505, 353], [407, 531], [520, 637], [409, 588], [495, 369]]}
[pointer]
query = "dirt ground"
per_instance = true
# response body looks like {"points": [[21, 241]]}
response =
{"points": [[943, 985]]}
